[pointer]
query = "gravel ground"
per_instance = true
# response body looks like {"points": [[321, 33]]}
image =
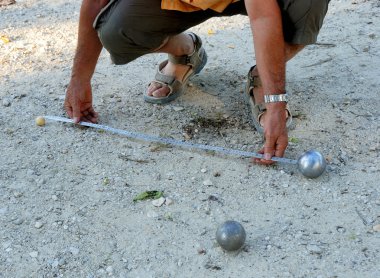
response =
{"points": [[66, 193]]}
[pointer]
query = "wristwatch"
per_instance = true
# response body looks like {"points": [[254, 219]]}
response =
{"points": [[276, 98]]}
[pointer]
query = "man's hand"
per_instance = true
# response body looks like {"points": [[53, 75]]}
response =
{"points": [[275, 132], [78, 102], [266, 23]]}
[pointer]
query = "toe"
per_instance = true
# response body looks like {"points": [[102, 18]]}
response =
{"points": [[153, 87], [161, 92]]}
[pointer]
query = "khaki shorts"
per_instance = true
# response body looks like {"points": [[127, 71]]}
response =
{"points": [[129, 29]]}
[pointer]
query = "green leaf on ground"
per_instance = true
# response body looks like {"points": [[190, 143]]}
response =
{"points": [[294, 140], [154, 194], [106, 181]]}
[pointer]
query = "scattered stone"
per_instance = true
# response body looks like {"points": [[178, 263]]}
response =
{"points": [[38, 225], [203, 170], [207, 183], [314, 249], [340, 229], [17, 194], [109, 269], [33, 254], [74, 250], [168, 201], [30, 172], [18, 221], [6, 102], [376, 228], [54, 264], [179, 263], [54, 197], [285, 185], [158, 202], [177, 108], [187, 136], [152, 214], [201, 250]]}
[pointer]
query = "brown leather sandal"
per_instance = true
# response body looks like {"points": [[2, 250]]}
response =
{"points": [[197, 60]]}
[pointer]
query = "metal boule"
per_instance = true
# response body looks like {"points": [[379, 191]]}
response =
{"points": [[231, 235], [311, 164]]}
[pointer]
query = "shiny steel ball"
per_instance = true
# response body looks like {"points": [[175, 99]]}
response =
{"points": [[230, 235], [311, 164]]}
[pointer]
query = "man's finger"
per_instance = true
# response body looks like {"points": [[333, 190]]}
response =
{"points": [[68, 109], [282, 143], [269, 148], [76, 114]]}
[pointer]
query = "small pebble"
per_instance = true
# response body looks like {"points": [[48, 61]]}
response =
{"points": [[158, 202], [33, 254], [109, 269], [54, 197], [40, 121], [177, 108], [376, 228], [168, 201], [152, 214], [54, 264], [17, 194], [203, 170], [314, 249], [74, 251], [38, 225], [207, 183], [6, 102], [201, 251], [18, 221]]}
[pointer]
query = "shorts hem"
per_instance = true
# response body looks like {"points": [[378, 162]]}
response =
{"points": [[304, 38]]}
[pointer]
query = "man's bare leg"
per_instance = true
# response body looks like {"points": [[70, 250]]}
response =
{"points": [[291, 50], [178, 45]]}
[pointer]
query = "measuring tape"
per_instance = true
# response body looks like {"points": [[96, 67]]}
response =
{"points": [[169, 141]]}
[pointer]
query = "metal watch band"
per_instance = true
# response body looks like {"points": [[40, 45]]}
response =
{"points": [[276, 98]]}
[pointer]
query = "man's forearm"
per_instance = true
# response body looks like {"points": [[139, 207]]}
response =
{"points": [[266, 22], [89, 46]]}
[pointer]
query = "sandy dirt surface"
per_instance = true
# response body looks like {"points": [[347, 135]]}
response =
{"points": [[66, 193]]}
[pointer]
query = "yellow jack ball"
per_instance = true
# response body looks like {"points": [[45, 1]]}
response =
{"points": [[40, 121]]}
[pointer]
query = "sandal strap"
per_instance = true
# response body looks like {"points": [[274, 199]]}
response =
{"points": [[167, 79], [173, 84], [193, 59], [254, 81]]}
